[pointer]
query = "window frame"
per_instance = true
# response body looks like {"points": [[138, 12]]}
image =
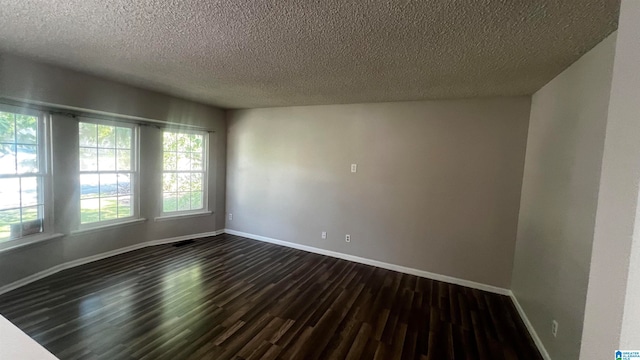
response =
{"points": [[204, 210], [135, 175], [43, 135]]}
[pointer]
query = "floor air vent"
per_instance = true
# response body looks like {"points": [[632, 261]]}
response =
{"points": [[183, 243]]}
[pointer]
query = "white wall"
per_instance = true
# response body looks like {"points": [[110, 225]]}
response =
{"points": [[612, 316], [560, 197], [23, 79], [437, 187]]}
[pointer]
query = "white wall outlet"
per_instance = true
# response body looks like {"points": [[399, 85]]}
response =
{"points": [[324, 234], [554, 328], [230, 216], [347, 238], [354, 168]]}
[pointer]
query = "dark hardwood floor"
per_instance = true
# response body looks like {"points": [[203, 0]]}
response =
{"points": [[229, 297]]}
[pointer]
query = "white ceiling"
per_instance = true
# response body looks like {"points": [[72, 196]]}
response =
{"points": [[239, 54]]}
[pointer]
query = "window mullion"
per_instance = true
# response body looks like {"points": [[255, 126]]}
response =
{"points": [[15, 141]]}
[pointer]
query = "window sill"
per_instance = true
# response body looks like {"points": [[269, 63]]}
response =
{"points": [[109, 226], [9, 245], [182, 216]]}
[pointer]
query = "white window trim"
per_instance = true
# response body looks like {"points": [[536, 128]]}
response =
{"points": [[183, 215], [108, 226], [205, 180], [135, 163], [45, 161]]}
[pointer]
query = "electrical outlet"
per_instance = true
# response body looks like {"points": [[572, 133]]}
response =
{"points": [[354, 168], [230, 216], [347, 238], [554, 328], [324, 234]]}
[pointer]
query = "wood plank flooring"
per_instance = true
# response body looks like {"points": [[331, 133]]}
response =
{"points": [[228, 297]]}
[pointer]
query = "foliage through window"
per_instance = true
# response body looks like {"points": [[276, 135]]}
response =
{"points": [[184, 171], [107, 172], [22, 174]]}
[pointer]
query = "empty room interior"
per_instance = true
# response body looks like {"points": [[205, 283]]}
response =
{"points": [[296, 179]]}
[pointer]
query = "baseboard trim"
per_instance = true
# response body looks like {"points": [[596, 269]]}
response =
{"points": [[68, 265], [380, 264], [532, 330]]}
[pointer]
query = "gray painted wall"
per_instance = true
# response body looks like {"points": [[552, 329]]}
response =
{"points": [[612, 316], [437, 186], [24, 79], [559, 198]]}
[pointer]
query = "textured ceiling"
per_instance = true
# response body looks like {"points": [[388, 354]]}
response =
{"points": [[239, 54]]}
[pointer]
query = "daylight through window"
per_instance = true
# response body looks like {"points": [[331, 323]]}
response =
{"points": [[107, 172], [184, 171], [22, 174]]}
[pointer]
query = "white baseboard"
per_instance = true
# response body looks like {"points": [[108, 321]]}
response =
{"points": [[380, 264], [532, 331], [42, 274]]}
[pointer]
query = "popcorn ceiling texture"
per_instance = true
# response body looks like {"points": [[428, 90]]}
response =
{"points": [[244, 54]]}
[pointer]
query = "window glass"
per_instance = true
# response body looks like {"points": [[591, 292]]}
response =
{"points": [[22, 175], [184, 174], [107, 172]]}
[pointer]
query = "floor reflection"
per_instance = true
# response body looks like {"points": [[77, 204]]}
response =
{"points": [[181, 285]]}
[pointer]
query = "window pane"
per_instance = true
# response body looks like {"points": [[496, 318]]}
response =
{"points": [[169, 141], [196, 182], [89, 186], [88, 159], [20, 197], [27, 129], [88, 134], [112, 190], [89, 210], [7, 159], [7, 218], [183, 154], [169, 202], [184, 201], [124, 184], [10, 216], [184, 182], [123, 138], [196, 161], [108, 185], [196, 200], [7, 127], [29, 190], [169, 162], [124, 160], [169, 182], [31, 213], [9, 193], [27, 159], [184, 143], [106, 159], [5, 229], [106, 136], [124, 206], [197, 143], [108, 208], [184, 161]]}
